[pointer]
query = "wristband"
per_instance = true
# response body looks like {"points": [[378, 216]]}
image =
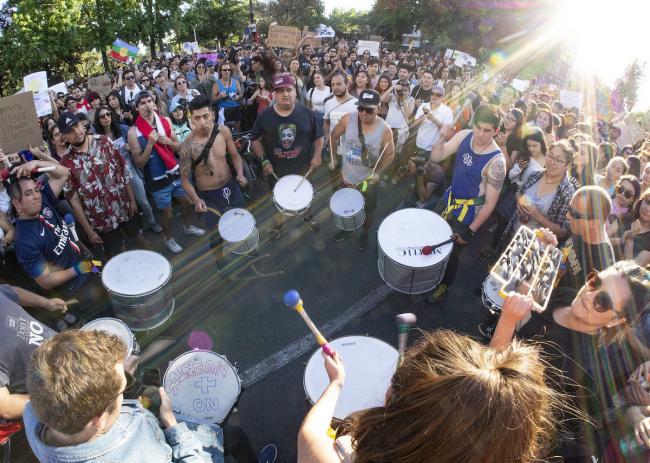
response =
{"points": [[83, 266], [466, 233], [265, 162]]}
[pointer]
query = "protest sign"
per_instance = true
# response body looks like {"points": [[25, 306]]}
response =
{"points": [[324, 31], [283, 37], [571, 99], [208, 56], [59, 88], [100, 84], [376, 38], [460, 57], [520, 85], [42, 103], [371, 45], [190, 47], [35, 82], [18, 123]]}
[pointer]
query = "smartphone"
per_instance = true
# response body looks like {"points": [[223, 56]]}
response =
{"points": [[151, 377]]}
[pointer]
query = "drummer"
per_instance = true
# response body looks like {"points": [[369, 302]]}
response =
{"points": [[205, 174], [361, 165], [288, 139]]}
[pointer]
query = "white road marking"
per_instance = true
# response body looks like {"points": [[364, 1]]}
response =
{"points": [[279, 359]]}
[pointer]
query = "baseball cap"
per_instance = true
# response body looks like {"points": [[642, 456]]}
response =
{"points": [[177, 103], [438, 89], [404, 83], [209, 63], [284, 80], [156, 73], [67, 120], [368, 99]]}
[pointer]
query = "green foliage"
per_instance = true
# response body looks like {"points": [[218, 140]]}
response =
{"points": [[291, 13], [349, 23], [628, 84], [212, 19]]}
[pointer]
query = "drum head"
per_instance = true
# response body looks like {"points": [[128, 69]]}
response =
{"points": [[289, 200], [112, 326], [346, 202], [202, 385], [236, 225], [369, 367], [404, 233], [134, 273], [491, 287]]}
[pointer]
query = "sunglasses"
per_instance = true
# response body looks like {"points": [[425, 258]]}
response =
{"points": [[436, 95], [105, 115], [181, 82], [362, 109], [627, 194], [226, 70], [130, 77], [145, 81], [578, 215], [603, 301]]}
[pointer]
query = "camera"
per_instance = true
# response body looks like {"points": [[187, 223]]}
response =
{"points": [[419, 162]]}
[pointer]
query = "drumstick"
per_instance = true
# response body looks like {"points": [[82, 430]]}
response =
{"points": [[275, 176], [426, 250], [374, 168], [404, 323], [292, 300], [214, 211], [332, 160], [303, 178], [74, 300]]}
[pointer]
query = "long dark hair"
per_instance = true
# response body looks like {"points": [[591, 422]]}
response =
{"points": [[517, 134], [115, 123], [353, 85], [117, 95]]}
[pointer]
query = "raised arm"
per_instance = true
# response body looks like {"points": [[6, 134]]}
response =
{"points": [[442, 150]]}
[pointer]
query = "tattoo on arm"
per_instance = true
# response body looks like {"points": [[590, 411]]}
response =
{"points": [[496, 174], [186, 159]]}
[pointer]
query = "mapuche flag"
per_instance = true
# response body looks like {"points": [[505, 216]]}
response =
{"points": [[122, 51]]}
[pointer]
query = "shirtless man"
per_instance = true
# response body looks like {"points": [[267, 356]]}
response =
{"points": [[211, 186]]}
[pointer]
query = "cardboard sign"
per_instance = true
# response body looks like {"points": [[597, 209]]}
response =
{"points": [[283, 37], [18, 123], [571, 99], [100, 84], [371, 45], [35, 82]]}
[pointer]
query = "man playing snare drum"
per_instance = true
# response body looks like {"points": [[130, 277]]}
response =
{"points": [[361, 164], [206, 177]]}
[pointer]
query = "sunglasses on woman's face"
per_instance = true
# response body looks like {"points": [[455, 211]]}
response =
{"points": [[602, 301], [627, 194]]}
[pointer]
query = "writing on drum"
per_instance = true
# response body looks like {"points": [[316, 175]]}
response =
{"points": [[205, 376], [414, 251]]}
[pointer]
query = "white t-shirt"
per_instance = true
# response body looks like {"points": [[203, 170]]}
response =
{"points": [[334, 111], [397, 117], [316, 97], [428, 131]]}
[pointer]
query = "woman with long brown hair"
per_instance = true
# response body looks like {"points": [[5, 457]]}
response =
{"points": [[451, 400]]}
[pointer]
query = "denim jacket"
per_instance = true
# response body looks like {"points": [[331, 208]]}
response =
{"points": [[134, 438]]}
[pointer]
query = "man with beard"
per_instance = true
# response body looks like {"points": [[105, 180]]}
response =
{"points": [[81, 104], [288, 139], [336, 105], [206, 178], [99, 188], [153, 142]]}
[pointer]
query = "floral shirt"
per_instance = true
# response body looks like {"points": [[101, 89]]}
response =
{"points": [[100, 177]]}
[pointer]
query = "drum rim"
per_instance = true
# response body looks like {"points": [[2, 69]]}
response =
{"points": [[317, 351], [233, 210], [486, 297], [306, 182], [111, 291], [363, 202], [111, 319]]}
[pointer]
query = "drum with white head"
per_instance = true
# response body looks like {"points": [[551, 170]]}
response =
{"points": [[139, 285], [369, 367], [291, 202], [401, 239], [117, 328], [347, 206], [203, 387], [237, 228]]}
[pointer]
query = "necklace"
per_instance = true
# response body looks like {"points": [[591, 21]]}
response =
{"points": [[483, 150]]}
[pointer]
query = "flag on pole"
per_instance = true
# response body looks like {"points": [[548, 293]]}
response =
{"points": [[123, 52]]}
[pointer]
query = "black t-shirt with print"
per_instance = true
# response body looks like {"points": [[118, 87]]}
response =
{"points": [[582, 258]]}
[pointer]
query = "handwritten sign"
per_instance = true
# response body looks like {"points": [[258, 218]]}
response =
{"points": [[371, 45], [35, 82], [18, 123], [283, 37], [315, 42], [100, 84]]}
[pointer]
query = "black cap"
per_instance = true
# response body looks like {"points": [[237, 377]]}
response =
{"points": [[368, 99], [404, 83], [67, 120]]}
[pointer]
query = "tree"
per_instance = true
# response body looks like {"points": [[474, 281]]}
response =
{"points": [[628, 85], [212, 19], [289, 13], [348, 23]]}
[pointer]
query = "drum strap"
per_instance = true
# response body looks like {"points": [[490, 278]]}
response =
{"points": [[462, 204], [364, 149], [203, 157]]}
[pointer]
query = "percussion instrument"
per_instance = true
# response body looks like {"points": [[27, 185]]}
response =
{"points": [[369, 367], [347, 209], [203, 386], [401, 238], [237, 228], [490, 296], [117, 328], [290, 202], [139, 285]]}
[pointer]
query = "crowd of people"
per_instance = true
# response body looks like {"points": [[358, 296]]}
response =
{"points": [[485, 156]]}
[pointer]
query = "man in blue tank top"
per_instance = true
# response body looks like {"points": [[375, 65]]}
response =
{"points": [[479, 172]]}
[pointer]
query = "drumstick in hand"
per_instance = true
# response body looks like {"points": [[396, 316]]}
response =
{"points": [[404, 323], [293, 301], [332, 159], [303, 179], [374, 168], [426, 250]]}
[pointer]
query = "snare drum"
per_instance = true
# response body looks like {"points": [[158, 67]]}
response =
{"points": [[139, 285], [347, 209], [291, 202], [400, 238], [237, 228], [117, 328], [490, 295], [203, 386], [369, 366]]}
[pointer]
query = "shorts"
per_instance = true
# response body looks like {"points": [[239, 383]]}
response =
{"points": [[221, 199], [163, 197]]}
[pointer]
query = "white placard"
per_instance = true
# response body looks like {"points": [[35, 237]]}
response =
{"points": [[520, 85], [370, 45], [35, 82], [42, 103], [59, 88], [571, 99]]}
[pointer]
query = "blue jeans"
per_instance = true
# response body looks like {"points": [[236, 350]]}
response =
{"points": [[140, 194]]}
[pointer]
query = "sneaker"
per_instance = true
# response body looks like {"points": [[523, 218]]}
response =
{"points": [[486, 330], [225, 276], [438, 294], [155, 227], [275, 232], [313, 226], [342, 235], [194, 231], [173, 246], [268, 454], [363, 242]]}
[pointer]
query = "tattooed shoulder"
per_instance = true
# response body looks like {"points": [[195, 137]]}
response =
{"points": [[496, 172]]}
